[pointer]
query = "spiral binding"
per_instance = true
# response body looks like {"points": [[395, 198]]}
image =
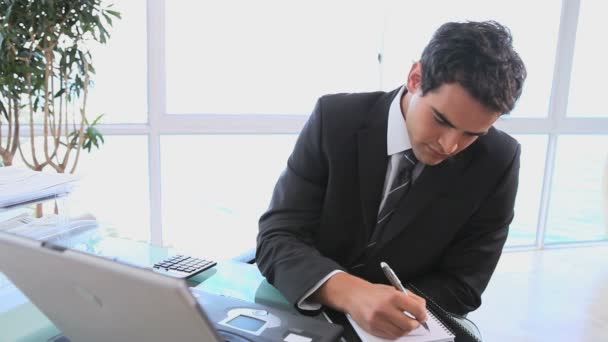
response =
{"points": [[448, 315], [440, 323]]}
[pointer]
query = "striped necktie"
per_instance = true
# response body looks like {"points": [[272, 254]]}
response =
{"points": [[400, 186]]}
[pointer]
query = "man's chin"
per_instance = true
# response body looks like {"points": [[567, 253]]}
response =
{"points": [[432, 161], [435, 162]]}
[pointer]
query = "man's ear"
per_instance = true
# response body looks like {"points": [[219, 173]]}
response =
{"points": [[414, 77]]}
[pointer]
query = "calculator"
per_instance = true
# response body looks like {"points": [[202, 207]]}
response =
{"points": [[182, 266]]}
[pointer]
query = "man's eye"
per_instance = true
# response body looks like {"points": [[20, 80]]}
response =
{"points": [[440, 121]]}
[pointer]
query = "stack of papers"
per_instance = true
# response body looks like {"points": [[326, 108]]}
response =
{"points": [[20, 185], [49, 227]]}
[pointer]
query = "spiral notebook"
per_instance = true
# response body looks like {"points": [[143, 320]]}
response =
{"points": [[438, 332]]}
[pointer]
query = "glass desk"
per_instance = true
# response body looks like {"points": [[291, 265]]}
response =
{"points": [[20, 320]]}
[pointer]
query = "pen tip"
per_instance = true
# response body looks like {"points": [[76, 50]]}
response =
{"points": [[426, 326], [383, 264]]}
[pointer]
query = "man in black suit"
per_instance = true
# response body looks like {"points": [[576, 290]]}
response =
{"points": [[334, 214]]}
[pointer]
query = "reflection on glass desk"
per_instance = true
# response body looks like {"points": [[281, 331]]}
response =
{"points": [[20, 320]]}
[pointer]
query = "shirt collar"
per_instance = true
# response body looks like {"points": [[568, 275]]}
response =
{"points": [[397, 138]]}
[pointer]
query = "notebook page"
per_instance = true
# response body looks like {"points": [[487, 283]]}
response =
{"points": [[438, 333]]}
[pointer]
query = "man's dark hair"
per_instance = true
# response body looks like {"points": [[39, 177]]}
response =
{"points": [[480, 57]]}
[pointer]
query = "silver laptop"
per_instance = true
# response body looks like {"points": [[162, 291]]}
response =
{"points": [[103, 300]]}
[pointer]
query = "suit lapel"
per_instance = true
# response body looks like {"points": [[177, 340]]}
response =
{"points": [[372, 170], [433, 180], [373, 160]]}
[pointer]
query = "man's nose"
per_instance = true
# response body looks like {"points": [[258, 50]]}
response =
{"points": [[449, 141]]}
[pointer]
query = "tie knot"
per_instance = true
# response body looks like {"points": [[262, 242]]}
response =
{"points": [[410, 158]]}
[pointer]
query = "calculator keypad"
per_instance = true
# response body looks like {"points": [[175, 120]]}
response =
{"points": [[183, 266]]}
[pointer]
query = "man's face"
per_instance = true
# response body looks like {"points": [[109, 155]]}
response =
{"points": [[443, 122]]}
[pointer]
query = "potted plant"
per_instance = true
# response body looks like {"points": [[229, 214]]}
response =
{"points": [[46, 70]]}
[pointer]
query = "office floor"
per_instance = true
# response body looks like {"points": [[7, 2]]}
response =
{"points": [[550, 295]]}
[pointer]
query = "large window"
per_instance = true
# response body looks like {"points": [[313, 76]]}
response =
{"points": [[587, 90], [268, 56], [214, 195], [522, 231], [113, 184], [120, 91], [579, 197], [203, 101]]}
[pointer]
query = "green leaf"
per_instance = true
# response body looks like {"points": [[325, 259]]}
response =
{"points": [[108, 19], [81, 55], [3, 110], [115, 13], [97, 120], [73, 138], [60, 92], [92, 132]]}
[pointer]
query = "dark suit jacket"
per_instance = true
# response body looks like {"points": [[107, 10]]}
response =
{"points": [[445, 237]]}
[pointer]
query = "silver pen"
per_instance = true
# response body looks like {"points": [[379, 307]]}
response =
{"points": [[392, 277]]}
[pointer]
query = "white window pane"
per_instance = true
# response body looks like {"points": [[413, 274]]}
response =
{"points": [[579, 194], [113, 185], [587, 87], [410, 25], [269, 56], [216, 187], [120, 87], [531, 172]]}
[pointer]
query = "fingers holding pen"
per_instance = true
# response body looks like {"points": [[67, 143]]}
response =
{"points": [[412, 304], [380, 310]]}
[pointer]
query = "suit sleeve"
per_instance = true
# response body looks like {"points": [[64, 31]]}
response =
{"points": [[285, 252], [465, 268]]}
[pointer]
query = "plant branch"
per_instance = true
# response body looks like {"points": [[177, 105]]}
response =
{"points": [[9, 128], [10, 124], [66, 105], [47, 74], [16, 129], [53, 123], [24, 159], [85, 92], [2, 150], [28, 78]]}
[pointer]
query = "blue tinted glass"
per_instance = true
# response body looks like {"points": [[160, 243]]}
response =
{"points": [[579, 193], [212, 202], [532, 166]]}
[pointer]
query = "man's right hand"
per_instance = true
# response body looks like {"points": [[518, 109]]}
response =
{"points": [[377, 308]]}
